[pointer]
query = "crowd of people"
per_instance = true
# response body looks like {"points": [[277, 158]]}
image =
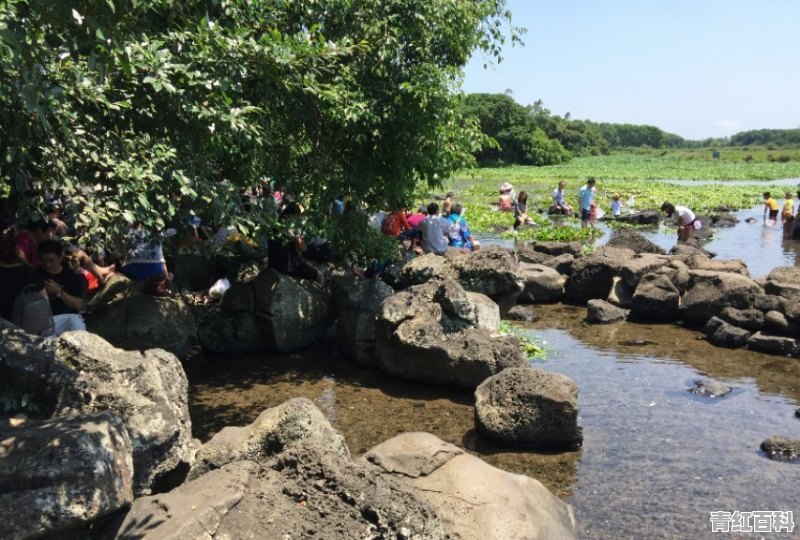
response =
{"points": [[37, 260]]}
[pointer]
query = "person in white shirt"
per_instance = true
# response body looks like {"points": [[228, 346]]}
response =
{"points": [[687, 221], [434, 231]]}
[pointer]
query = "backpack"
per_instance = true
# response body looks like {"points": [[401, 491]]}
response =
{"points": [[31, 312]]}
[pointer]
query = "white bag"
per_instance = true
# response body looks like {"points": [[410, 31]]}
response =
{"points": [[219, 287]]}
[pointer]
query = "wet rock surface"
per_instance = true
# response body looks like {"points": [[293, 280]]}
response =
{"points": [[781, 448], [710, 389], [528, 407], [602, 312]]}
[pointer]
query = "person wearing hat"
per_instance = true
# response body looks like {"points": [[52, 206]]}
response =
{"points": [[506, 202], [687, 221]]}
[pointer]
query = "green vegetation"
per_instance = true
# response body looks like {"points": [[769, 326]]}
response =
{"points": [[530, 346], [631, 174], [149, 110]]}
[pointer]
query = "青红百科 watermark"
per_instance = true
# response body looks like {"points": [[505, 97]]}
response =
{"points": [[765, 521]]}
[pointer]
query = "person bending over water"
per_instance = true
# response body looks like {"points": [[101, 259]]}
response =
{"points": [[687, 221]]}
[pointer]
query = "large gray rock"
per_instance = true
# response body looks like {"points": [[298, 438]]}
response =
{"points": [[780, 448], [356, 302], [425, 268], [528, 407], [633, 270], [474, 500], [60, 474], [553, 249], [781, 346], [728, 335], [710, 292], [593, 276], [303, 492], [149, 392], [292, 422], [776, 323], [492, 271], [643, 217], [81, 373], [542, 284], [436, 333], [731, 266], [656, 299], [291, 313], [749, 319], [784, 282], [562, 263], [229, 333], [633, 240], [239, 297], [144, 321], [602, 312]]}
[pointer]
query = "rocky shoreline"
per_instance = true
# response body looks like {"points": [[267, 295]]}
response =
{"points": [[120, 459]]}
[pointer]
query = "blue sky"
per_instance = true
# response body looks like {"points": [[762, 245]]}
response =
{"points": [[703, 68]]}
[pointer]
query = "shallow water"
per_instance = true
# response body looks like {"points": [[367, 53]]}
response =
{"points": [[655, 459], [760, 246]]}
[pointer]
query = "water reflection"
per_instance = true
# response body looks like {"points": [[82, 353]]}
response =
{"points": [[656, 458]]}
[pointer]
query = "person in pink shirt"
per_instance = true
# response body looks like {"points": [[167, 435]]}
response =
{"points": [[415, 219], [27, 242]]}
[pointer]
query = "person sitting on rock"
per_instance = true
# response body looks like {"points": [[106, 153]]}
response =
{"points": [[434, 230], [506, 201], [144, 261], [15, 276], [287, 246], [66, 289], [458, 231], [560, 205]]}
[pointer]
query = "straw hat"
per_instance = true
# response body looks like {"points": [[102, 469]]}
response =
{"points": [[505, 186]]}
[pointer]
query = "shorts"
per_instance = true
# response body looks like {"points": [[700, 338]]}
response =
{"points": [[584, 215], [773, 214]]}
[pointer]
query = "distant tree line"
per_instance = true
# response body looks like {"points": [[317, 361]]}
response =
{"points": [[532, 135]]}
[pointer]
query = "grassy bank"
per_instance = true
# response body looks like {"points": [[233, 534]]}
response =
{"points": [[631, 174]]}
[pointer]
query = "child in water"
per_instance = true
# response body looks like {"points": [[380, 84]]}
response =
{"points": [[771, 206], [788, 215], [616, 205]]}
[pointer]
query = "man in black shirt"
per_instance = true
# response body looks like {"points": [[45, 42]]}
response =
{"points": [[65, 288]]}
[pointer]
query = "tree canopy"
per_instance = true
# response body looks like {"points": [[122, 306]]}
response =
{"points": [[139, 110]]}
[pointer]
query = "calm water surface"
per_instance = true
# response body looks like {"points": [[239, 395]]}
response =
{"points": [[655, 460]]}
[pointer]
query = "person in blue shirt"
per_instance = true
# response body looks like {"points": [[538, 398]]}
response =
{"points": [[586, 197], [458, 232]]}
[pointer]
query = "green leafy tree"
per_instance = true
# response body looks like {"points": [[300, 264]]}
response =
{"points": [[150, 110]]}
